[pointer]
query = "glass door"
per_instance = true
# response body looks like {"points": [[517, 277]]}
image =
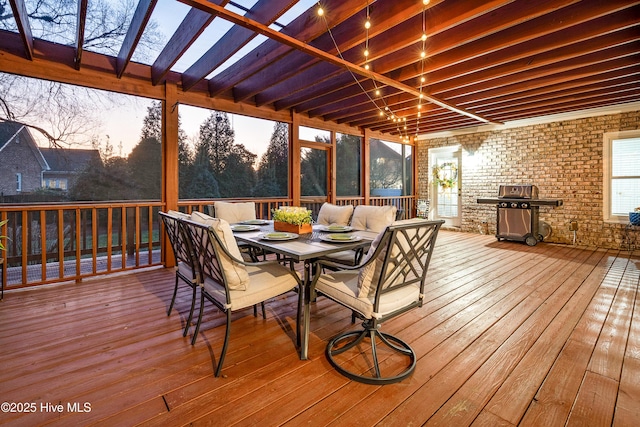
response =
{"points": [[446, 191]]}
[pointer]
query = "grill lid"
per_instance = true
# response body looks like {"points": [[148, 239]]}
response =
{"points": [[518, 191]]}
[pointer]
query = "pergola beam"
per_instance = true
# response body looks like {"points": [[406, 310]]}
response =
{"points": [[22, 21], [140, 18], [308, 49]]}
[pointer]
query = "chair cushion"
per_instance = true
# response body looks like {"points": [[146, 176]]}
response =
{"points": [[267, 281], [342, 286], [235, 212], [178, 214], [373, 218], [236, 273], [331, 214]]}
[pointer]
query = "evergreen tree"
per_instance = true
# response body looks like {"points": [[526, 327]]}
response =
{"points": [[145, 166], [348, 155], [239, 177], [273, 169]]}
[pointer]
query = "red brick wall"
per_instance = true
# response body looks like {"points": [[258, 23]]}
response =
{"points": [[564, 159]]}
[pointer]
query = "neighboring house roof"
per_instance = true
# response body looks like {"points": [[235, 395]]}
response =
{"points": [[9, 131], [68, 160], [381, 150]]}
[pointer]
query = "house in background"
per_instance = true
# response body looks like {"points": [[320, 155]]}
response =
{"points": [[26, 168]]}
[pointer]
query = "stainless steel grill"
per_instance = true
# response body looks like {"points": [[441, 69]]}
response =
{"points": [[518, 209]]}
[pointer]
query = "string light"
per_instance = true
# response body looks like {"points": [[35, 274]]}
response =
{"points": [[320, 11]]}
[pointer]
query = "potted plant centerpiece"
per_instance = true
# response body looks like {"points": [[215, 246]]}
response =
{"points": [[292, 219]]}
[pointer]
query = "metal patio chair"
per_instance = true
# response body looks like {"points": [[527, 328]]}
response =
{"points": [[231, 283], [185, 267], [390, 281]]}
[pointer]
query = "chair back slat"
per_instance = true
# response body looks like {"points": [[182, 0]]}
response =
{"points": [[176, 237], [407, 255]]}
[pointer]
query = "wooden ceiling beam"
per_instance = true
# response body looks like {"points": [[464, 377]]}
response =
{"points": [[479, 24], [132, 38], [622, 74], [305, 28], [402, 38], [282, 38], [575, 105], [81, 20], [21, 16], [193, 24], [613, 87], [264, 11], [521, 80], [385, 15]]}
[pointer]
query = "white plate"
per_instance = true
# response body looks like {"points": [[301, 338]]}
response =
{"points": [[340, 238], [244, 227], [278, 236], [255, 222], [337, 228]]}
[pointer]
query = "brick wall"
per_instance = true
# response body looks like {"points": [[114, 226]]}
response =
{"points": [[18, 157], [564, 159]]}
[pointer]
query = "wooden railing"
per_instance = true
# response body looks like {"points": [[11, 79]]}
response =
{"points": [[60, 242]]}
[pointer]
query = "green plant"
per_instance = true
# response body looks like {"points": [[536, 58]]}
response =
{"points": [[292, 215], [445, 175]]}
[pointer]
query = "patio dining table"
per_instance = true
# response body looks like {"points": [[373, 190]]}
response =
{"points": [[305, 248]]}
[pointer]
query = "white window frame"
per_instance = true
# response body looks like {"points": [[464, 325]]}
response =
{"points": [[608, 139], [18, 182]]}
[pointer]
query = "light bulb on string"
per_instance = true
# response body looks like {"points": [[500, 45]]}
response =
{"points": [[424, 37], [320, 11], [367, 24]]}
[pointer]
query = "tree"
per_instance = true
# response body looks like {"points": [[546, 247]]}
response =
{"points": [[273, 169], [239, 177], [64, 113], [145, 169]]}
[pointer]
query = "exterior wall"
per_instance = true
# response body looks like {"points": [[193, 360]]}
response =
{"points": [[19, 157], [564, 159]]}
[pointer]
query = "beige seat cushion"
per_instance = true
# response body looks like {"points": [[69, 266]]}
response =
{"points": [[267, 281], [236, 273], [343, 287], [331, 214], [178, 214], [235, 212], [373, 218]]}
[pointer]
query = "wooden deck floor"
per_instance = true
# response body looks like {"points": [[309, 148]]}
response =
{"points": [[511, 335]]}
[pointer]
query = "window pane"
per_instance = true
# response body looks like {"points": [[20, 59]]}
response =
{"points": [[386, 168], [626, 157], [625, 194], [225, 155], [316, 135], [348, 161], [313, 170]]}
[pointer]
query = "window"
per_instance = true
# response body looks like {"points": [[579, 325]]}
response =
{"points": [[348, 161], [18, 182], [621, 174], [314, 135], [391, 169]]}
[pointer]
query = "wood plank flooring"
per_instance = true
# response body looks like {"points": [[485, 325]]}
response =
{"points": [[510, 335]]}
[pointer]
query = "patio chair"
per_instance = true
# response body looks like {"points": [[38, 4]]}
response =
{"points": [[229, 282], [390, 281], [184, 263], [331, 214], [367, 218], [235, 212]]}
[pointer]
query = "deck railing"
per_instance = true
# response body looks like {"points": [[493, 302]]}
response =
{"points": [[59, 242]]}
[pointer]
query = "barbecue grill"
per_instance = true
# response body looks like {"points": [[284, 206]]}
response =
{"points": [[518, 210]]}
